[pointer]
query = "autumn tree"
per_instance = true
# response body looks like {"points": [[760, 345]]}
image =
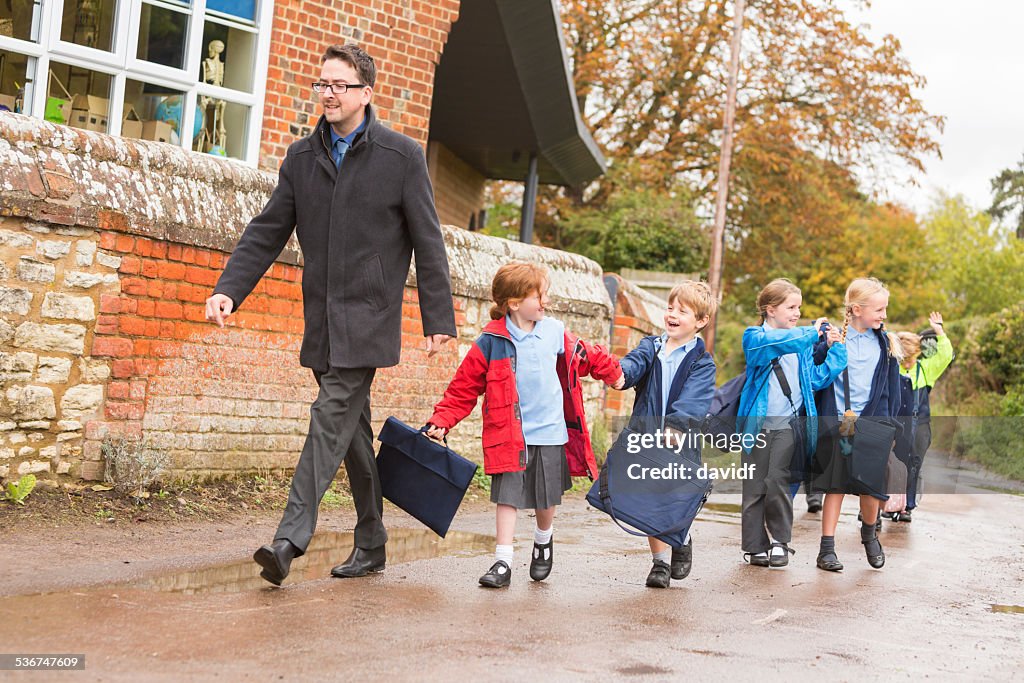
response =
{"points": [[814, 89]]}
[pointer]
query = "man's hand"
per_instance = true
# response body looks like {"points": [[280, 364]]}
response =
{"points": [[218, 308], [434, 342]]}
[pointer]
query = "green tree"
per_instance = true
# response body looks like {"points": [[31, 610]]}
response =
{"points": [[1008, 196], [976, 264]]}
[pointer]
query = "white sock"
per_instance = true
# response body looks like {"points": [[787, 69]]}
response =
{"points": [[687, 541], [778, 551], [542, 537], [665, 556], [503, 553]]}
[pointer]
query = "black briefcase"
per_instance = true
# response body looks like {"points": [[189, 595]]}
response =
{"points": [[423, 477]]}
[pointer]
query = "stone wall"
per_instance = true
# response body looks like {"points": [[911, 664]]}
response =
{"points": [[108, 249]]}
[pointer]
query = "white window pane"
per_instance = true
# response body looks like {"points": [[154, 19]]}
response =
{"points": [[228, 55], [89, 23], [78, 97], [15, 72], [20, 19], [151, 112], [163, 35], [243, 9], [222, 128]]}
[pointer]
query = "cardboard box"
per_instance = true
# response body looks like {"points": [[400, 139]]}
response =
{"points": [[131, 125], [7, 102], [89, 112], [159, 131]]}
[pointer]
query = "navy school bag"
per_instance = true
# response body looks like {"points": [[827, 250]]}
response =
{"points": [[663, 508]]}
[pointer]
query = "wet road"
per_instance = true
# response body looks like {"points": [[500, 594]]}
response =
{"points": [[946, 606]]}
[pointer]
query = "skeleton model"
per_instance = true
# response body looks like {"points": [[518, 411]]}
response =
{"points": [[213, 74]]}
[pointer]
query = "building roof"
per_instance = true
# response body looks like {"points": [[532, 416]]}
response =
{"points": [[503, 90]]}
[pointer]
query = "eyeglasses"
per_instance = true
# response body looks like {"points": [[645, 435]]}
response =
{"points": [[336, 88]]}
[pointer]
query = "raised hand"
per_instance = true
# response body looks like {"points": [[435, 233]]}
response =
{"points": [[936, 321]]}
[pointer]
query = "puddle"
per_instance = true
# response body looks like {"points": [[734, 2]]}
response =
{"points": [[1007, 609], [325, 551], [723, 507]]}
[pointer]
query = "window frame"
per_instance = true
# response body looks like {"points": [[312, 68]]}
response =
{"points": [[122, 64]]}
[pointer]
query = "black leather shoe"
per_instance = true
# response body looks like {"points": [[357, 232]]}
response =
{"points": [[871, 547], [813, 504], [495, 577], [776, 560], [276, 560], [682, 561], [360, 563], [829, 562], [755, 560], [660, 576], [540, 564]]}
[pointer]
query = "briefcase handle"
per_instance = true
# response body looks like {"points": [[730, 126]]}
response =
{"points": [[424, 428]]}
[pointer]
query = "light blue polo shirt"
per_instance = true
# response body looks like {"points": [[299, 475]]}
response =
{"points": [[540, 392], [862, 356], [669, 365], [779, 407]]}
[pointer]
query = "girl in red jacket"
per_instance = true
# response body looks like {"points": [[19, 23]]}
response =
{"points": [[528, 368]]}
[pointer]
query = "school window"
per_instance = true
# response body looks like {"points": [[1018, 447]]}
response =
{"points": [[185, 72]]}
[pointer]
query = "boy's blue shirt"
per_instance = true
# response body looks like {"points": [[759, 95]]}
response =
{"points": [[688, 397], [761, 345]]}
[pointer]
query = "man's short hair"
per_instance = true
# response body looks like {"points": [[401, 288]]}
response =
{"points": [[355, 57]]}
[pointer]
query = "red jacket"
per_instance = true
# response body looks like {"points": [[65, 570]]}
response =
{"points": [[489, 369]]}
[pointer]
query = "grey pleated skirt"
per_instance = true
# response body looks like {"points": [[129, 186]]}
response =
{"points": [[539, 486]]}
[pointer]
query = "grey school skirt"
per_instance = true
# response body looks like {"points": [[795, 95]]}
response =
{"points": [[539, 486]]}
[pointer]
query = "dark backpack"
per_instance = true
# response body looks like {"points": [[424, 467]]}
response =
{"points": [[720, 422], [930, 344]]}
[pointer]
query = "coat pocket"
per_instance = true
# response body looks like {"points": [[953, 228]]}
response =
{"points": [[373, 274], [497, 409]]}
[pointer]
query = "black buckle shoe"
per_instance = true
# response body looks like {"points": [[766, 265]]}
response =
{"points": [[495, 578], [779, 560], [276, 560], [682, 561], [360, 563], [829, 562], [876, 560], [755, 560], [660, 576], [543, 556]]}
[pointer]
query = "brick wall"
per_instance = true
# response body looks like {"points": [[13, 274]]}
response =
{"points": [[108, 249], [404, 37], [638, 314], [458, 187]]}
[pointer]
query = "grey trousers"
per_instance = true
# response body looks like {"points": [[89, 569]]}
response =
{"points": [[767, 505], [339, 430]]}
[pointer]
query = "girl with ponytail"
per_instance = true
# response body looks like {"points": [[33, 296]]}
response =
{"points": [[869, 387], [777, 405]]}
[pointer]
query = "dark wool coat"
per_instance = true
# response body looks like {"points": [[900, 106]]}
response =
{"points": [[358, 230]]}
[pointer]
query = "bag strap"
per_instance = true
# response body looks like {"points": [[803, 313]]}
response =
{"points": [[606, 498], [846, 387], [780, 375]]}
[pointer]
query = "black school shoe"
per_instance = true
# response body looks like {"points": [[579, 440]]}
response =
{"points": [[829, 562], [495, 578], [540, 563], [682, 561], [776, 560], [755, 559], [876, 560], [660, 576]]}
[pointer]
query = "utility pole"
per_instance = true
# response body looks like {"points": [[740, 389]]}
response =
{"points": [[722, 194]]}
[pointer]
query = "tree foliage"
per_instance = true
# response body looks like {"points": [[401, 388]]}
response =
{"points": [[1008, 197]]}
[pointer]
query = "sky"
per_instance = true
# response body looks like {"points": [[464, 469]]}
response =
{"points": [[973, 57]]}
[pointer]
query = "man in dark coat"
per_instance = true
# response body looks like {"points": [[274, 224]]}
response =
{"points": [[359, 198]]}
